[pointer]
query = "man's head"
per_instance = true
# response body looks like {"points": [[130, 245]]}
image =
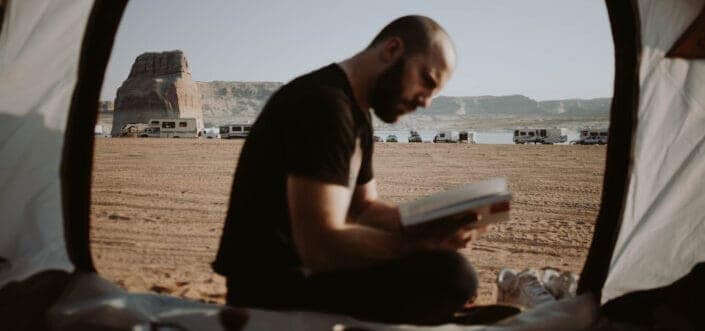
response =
{"points": [[418, 59]]}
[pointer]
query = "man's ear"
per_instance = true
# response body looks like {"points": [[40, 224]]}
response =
{"points": [[392, 49]]}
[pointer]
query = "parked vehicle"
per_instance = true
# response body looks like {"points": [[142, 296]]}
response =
{"points": [[134, 129], [209, 133], [391, 138], [591, 137], [466, 137], [539, 136], [234, 131], [446, 137], [171, 128], [101, 132], [414, 137], [377, 139]]}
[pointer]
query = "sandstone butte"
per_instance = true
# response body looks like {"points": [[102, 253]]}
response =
{"points": [[159, 86]]}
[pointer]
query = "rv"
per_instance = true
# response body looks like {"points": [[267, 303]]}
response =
{"points": [[591, 137], [446, 137], [467, 137], [232, 131], [539, 136], [171, 128]]}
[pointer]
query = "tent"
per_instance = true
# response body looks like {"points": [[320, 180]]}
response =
{"points": [[646, 254]]}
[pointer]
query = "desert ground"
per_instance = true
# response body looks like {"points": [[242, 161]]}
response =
{"points": [[158, 206]]}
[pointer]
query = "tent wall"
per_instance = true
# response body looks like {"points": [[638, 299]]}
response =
{"points": [[40, 42], [663, 222], [624, 21], [77, 158]]}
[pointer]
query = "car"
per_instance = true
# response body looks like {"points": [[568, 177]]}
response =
{"points": [[391, 138], [414, 137]]}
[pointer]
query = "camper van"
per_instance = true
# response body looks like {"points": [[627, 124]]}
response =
{"points": [[539, 136], [232, 131], [171, 128], [591, 137], [466, 137], [446, 137]]}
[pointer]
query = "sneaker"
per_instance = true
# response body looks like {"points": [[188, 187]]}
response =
{"points": [[507, 285], [560, 284], [523, 289]]}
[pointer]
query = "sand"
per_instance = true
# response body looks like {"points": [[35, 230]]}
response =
{"points": [[158, 206]]}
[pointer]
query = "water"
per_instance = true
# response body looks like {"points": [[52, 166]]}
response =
{"points": [[481, 137]]}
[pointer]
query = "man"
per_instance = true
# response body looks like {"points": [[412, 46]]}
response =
{"points": [[305, 228]]}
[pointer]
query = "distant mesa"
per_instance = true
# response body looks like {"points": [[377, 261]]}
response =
{"points": [[159, 86]]}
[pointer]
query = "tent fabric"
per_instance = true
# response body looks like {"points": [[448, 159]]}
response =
{"points": [[91, 302], [39, 45], [663, 223]]}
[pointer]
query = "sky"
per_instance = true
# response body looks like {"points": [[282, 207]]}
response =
{"points": [[543, 49]]}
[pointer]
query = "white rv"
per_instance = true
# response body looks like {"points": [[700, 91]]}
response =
{"points": [[231, 131], [539, 136], [171, 128], [467, 137], [591, 137], [446, 137]]}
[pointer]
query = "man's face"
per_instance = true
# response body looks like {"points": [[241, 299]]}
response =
{"points": [[410, 83]]}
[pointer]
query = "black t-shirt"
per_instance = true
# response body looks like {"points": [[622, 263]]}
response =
{"points": [[311, 127]]}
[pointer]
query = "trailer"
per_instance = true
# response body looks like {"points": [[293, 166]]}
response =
{"points": [[446, 137], [539, 136], [235, 131], [171, 128], [591, 137]]}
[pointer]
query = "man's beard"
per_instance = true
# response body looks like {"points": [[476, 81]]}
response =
{"points": [[386, 94]]}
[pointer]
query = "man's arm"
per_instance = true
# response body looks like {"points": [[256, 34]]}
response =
{"points": [[323, 238], [367, 209]]}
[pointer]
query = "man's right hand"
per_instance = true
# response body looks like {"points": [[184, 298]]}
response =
{"points": [[453, 233]]}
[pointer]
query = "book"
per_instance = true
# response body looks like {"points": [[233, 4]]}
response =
{"points": [[489, 199]]}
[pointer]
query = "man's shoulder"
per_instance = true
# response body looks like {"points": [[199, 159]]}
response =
{"points": [[328, 82]]}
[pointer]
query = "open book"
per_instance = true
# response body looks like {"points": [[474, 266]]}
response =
{"points": [[489, 199]]}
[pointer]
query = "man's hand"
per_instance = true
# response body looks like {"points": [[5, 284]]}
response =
{"points": [[450, 233]]}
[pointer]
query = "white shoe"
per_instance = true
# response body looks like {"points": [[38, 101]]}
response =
{"points": [[560, 284], [521, 289], [507, 285]]}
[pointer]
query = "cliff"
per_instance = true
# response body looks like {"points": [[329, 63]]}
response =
{"points": [[159, 86]]}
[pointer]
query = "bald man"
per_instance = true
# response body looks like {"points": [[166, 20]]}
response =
{"points": [[306, 229]]}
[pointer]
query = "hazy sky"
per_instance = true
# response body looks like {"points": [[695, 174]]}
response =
{"points": [[547, 49]]}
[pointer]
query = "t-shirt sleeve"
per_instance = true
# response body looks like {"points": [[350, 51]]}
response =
{"points": [[319, 137]]}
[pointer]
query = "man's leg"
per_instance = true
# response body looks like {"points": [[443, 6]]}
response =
{"points": [[424, 288]]}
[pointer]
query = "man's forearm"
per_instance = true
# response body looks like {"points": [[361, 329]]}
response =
{"points": [[356, 246], [378, 214]]}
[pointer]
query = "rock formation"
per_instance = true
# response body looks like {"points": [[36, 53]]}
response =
{"points": [[234, 102], [159, 86]]}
